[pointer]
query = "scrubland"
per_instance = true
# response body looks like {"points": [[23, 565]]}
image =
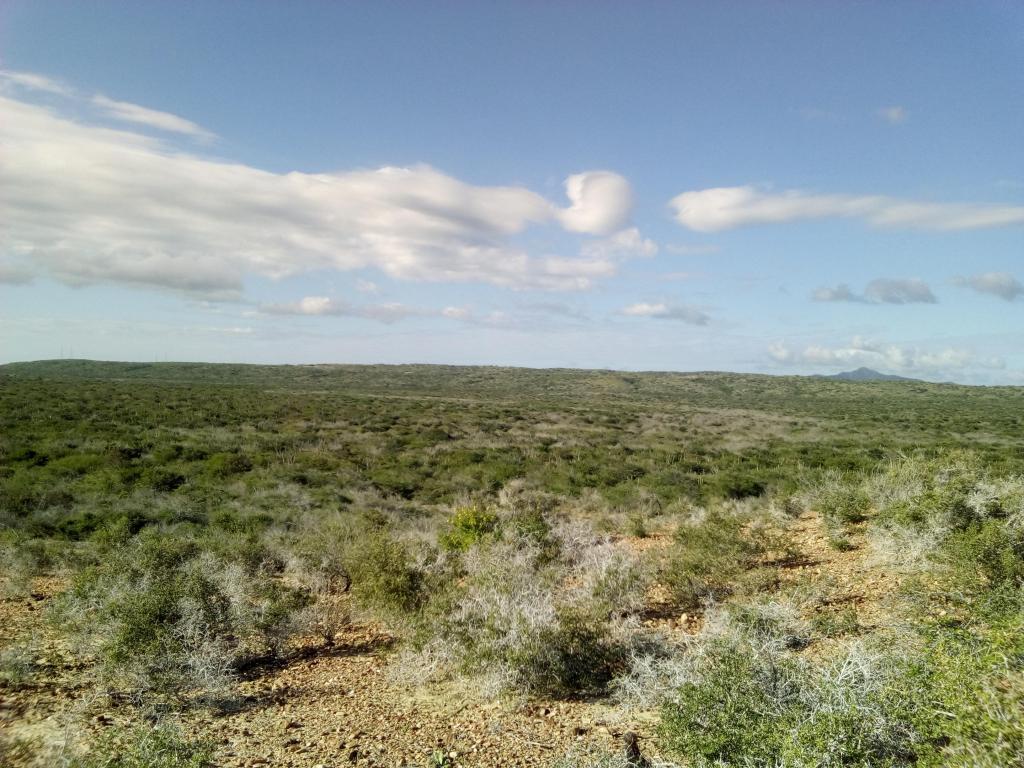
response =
{"points": [[437, 566]]}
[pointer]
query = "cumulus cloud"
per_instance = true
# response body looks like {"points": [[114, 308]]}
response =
{"points": [[163, 121], [883, 356], [722, 208], [90, 203], [662, 311], [601, 202], [894, 114], [1001, 284], [881, 291]]}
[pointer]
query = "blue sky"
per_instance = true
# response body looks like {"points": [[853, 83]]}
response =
{"points": [[776, 187]]}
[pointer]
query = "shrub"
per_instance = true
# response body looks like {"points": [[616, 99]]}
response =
{"points": [[161, 614], [752, 706], [160, 746], [163, 480], [17, 666], [221, 465], [578, 655], [843, 503], [527, 624], [384, 578], [741, 486], [974, 684], [637, 526], [467, 525], [735, 712], [936, 492], [708, 554]]}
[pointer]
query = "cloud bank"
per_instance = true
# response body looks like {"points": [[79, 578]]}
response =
{"points": [[87, 203], [883, 356], [724, 208]]}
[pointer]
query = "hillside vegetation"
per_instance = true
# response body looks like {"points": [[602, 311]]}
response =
{"points": [[748, 570]]}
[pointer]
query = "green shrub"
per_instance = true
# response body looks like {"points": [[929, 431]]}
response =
{"points": [[160, 746], [576, 655], [758, 708], [736, 713], [222, 465], [163, 614], [384, 577], [973, 681], [740, 486], [532, 525], [936, 492], [467, 525], [637, 526], [990, 551], [844, 504], [534, 611], [163, 480], [707, 556], [76, 464]]}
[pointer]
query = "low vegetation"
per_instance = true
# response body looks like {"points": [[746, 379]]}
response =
{"points": [[651, 541]]}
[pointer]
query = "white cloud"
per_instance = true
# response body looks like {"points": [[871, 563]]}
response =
{"points": [[722, 208], [33, 82], [1001, 284], [663, 311], [388, 312], [884, 357], [164, 121], [324, 306], [367, 286], [894, 114], [90, 204], [601, 202]]}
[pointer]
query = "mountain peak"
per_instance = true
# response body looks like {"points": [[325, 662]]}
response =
{"points": [[867, 374]]}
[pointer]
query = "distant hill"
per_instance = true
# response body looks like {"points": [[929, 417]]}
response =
{"points": [[866, 374]]}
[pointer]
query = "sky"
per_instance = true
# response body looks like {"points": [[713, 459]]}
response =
{"points": [[798, 187]]}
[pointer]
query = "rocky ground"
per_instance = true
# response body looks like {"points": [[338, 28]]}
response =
{"points": [[341, 706]]}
